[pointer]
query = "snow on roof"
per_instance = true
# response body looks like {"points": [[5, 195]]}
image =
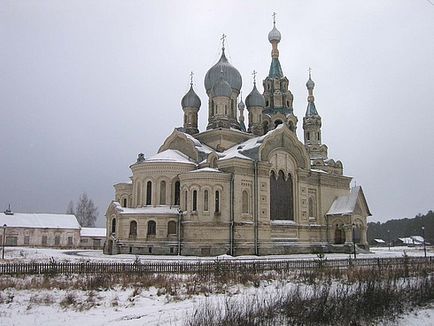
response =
{"points": [[206, 170], [199, 146], [317, 170], [170, 156], [379, 241], [158, 210], [51, 221], [92, 232], [345, 205]]}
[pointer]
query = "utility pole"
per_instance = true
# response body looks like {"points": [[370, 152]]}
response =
{"points": [[3, 241], [388, 238]]}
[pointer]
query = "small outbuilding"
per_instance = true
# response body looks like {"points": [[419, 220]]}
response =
{"points": [[39, 230], [92, 238]]}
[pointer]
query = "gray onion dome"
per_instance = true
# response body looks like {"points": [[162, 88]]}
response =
{"points": [[222, 88], [274, 35], [230, 74], [191, 99], [310, 84], [255, 98], [241, 105]]}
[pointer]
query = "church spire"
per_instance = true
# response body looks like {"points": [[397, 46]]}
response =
{"points": [[311, 109], [312, 125], [274, 37]]}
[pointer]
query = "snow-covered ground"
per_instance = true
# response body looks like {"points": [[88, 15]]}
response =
{"points": [[129, 306], [23, 254]]}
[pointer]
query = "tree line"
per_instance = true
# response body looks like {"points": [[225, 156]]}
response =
{"points": [[406, 227]]}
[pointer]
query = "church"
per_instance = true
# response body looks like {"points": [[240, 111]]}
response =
{"points": [[239, 188]]}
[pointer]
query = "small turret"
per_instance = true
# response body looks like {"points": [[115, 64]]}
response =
{"points": [[255, 103], [241, 108]]}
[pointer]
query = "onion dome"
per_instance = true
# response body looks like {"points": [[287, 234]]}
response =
{"points": [[222, 87], [255, 98], [310, 83], [274, 35], [230, 74], [191, 99], [241, 105]]}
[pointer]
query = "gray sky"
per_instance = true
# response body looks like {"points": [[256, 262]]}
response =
{"points": [[86, 85]]}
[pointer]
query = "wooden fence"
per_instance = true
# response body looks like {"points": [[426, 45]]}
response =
{"points": [[205, 267]]}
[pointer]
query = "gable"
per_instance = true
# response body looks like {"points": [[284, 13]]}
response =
{"points": [[285, 140]]}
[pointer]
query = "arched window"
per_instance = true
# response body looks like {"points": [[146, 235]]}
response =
{"points": [[177, 192], [163, 192], [148, 193], [281, 197], [226, 109], [152, 228], [114, 225], [319, 136], [205, 200], [308, 135], [139, 194], [217, 201], [245, 202], [133, 229], [124, 202], [311, 207], [194, 200], [185, 200], [171, 228]]}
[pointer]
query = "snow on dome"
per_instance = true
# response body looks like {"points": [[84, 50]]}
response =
{"points": [[52, 221], [170, 156]]}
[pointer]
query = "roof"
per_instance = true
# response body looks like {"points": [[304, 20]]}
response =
{"points": [[379, 241], [345, 205], [170, 156], [275, 69], [92, 232], [46, 221], [151, 210]]}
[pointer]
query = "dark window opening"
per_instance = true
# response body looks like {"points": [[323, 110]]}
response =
{"points": [[148, 193], [277, 122], [217, 201], [152, 228], [150, 250], [308, 135], [171, 228], [133, 229], [177, 192], [114, 225], [245, 202], [194, 200], [281, 197], [124, 202]]}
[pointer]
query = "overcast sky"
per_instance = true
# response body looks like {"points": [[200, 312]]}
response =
{"points": [[86, 85]]}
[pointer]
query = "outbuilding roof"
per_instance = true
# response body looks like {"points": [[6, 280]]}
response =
{"points": [[46, 221]]}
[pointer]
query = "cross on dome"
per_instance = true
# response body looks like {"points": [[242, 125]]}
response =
{"points": [[191, 78], [274, 18], [223, 38], [254, 76]]}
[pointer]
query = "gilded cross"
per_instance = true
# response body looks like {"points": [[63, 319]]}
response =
{"points": [[223, 38]]}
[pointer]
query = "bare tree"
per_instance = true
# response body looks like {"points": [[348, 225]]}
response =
{"points": [[70, 208], [86, 211]]}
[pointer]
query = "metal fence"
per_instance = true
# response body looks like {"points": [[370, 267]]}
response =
{"points": [[206, 267]]}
